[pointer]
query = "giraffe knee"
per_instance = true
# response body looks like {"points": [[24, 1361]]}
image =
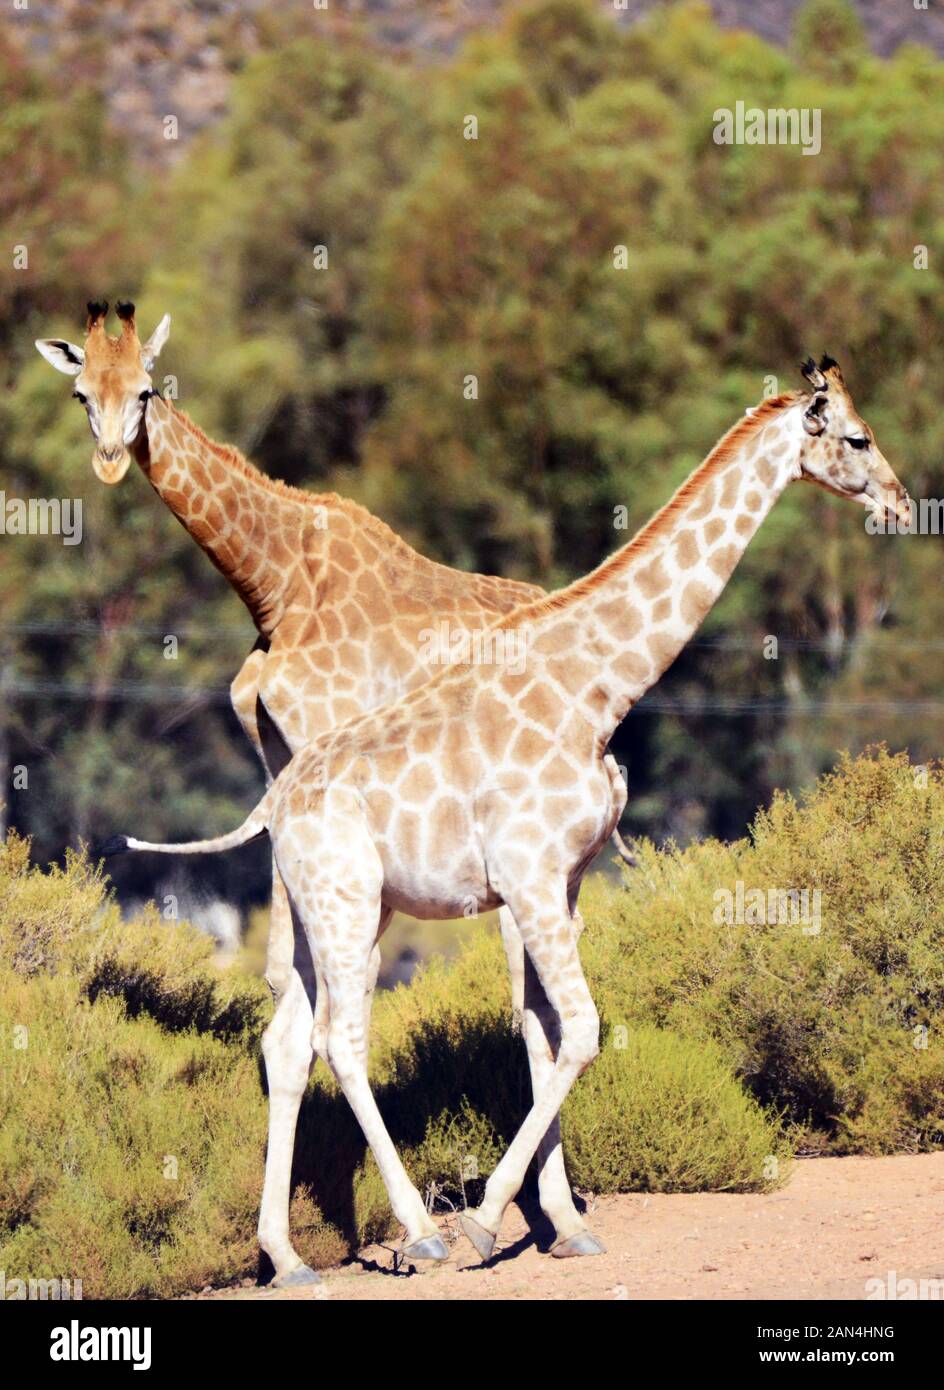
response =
{"points": [[280, 966], [287, 1058], [541, 1035], [580, 1038], [319, 1042], [343, 1046]]}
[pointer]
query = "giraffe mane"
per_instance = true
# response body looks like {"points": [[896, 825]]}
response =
{"points": [[655, 527], [231, 457]]}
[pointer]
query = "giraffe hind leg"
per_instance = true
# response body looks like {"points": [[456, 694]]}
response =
{"points": [[286, 1047], [319, 855], [286, 1043]]}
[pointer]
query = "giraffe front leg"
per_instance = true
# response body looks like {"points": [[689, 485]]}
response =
{"points": [[346, 1052], [550, 941], [350, 994], [541, 1031]]}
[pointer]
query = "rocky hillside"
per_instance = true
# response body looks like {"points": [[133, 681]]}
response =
{"points": [[154, 58]]}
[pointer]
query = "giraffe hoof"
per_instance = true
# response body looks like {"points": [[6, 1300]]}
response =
{"points": [[429, 1248], [483, 1240], [583, 1243], [301, 1274]]}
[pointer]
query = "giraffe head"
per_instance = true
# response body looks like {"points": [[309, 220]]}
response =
{"points": [[839, 451], [112, 381]]}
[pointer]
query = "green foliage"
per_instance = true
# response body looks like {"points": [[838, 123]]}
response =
{"points": [[596, 388], [658, 1114], [42, 916], [823, 1021], [830, 38], [130, 1158], [66, 920]]}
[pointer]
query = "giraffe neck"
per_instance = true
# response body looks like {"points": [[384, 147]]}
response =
{"points": [[610, 636], [240, 518]]}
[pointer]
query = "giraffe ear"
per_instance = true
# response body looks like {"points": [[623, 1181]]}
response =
{"points": [[815, 419], [150, 351], [65, 357], [813, 374]]}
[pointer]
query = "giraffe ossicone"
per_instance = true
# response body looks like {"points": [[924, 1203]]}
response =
{"points": [[494, 786]]}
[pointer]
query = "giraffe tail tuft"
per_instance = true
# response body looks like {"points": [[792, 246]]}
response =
{"points": [[117, 844]]}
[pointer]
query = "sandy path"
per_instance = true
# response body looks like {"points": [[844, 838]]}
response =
{"points": [[838, 1223]]}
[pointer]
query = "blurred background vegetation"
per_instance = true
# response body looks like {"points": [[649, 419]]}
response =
{"points": [[598, 387]]}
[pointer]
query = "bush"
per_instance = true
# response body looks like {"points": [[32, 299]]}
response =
{"points": [[132, 1120], [66, 919], [837, 1026], [130, 1157], [658, 1114]]}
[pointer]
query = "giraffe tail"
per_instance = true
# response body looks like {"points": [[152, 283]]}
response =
{"points": [[255, 824]]}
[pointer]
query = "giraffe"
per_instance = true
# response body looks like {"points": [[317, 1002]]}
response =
{"points": [[490, 785], [345, 611]]}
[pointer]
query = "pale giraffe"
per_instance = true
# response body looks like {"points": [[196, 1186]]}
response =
{"points": [[345, 612], [491, 786]]}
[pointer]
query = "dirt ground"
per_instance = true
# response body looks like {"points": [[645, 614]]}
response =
{"points": [[837, 1224]]}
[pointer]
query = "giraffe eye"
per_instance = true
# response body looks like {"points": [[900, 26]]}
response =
{"points": [[857, 441], [82, 400]]}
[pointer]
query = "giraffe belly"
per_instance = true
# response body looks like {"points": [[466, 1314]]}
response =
{"points": [[459, 890], [444, 909]]}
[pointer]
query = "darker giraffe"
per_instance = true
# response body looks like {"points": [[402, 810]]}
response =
{"points": [[343, 608]]}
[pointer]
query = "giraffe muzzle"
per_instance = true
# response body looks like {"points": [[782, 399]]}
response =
{"points": [[889, 503], [111, 465]]}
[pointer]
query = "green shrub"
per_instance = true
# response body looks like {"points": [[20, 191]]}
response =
{"points": [[130, 1157], [820, 1024], [659, 1114], [167, 971], [132, 1119], [66, 918], [44, 915]]}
